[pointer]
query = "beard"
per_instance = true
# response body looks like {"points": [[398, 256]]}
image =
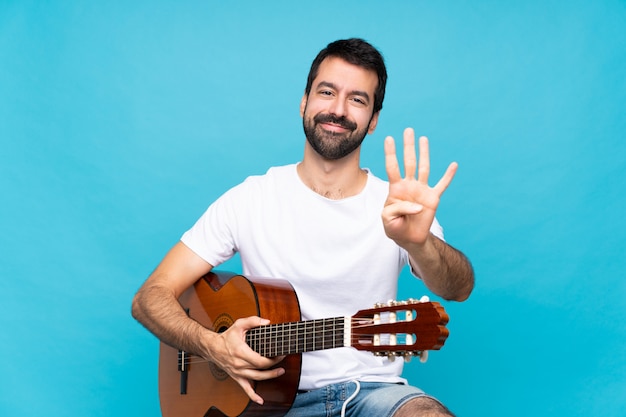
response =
{"points": [[332, 145]]}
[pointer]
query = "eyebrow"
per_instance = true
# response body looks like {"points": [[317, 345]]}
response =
{"points": [[353, 92]]}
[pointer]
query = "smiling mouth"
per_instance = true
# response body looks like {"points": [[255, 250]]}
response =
{"points": [[331, 123], [334, 128]]}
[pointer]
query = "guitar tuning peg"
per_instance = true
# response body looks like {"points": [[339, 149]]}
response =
{"points": [[408, 356], [392, 303], [424, 299], [423, 356]]}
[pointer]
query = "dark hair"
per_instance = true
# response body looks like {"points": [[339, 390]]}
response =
{"points": [[357, 52]]}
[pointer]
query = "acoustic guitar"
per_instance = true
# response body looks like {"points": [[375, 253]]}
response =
{"points": [[191, 386]]}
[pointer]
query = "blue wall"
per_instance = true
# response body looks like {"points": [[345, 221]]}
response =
{"points": [[121, 121]]}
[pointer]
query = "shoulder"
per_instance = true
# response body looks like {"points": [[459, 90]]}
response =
{"points": [[257, 186], [277, 173], [273, 174]]}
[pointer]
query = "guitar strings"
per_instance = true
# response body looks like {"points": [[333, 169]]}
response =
{"points": [[303, 328]]}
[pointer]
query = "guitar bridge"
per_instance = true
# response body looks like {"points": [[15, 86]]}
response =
{"points": [[183, 367]]}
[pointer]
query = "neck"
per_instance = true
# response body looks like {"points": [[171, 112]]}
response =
{"points": [[335, 180]]}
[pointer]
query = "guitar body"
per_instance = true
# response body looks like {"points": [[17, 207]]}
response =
{"points": [[202, 389]]}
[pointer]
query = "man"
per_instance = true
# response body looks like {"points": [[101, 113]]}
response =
{"points": [[318, 224]]}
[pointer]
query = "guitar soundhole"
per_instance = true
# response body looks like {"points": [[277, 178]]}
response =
{"points": [[220, 325], [218, 373]]}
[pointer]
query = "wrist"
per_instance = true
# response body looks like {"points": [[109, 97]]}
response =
{"points": [[206, 343], [420, 249]]}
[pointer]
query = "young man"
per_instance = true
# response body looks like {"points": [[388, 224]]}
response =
{"points": [[318, 224]]}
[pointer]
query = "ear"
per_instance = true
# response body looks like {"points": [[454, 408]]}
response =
{"points": [[373, 123], [305, 98]]}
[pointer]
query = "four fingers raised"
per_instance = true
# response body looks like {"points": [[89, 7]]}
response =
{"points": [[411, 164]]}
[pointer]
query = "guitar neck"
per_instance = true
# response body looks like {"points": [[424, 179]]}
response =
{"points": [[298, 337]]}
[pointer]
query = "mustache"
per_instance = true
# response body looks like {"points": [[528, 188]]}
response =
{"points": [[340, 121]]}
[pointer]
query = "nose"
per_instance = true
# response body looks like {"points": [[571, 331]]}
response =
{"points": [[338, 107]]}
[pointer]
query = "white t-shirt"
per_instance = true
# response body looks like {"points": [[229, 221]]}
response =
{"points": [[334, 253]]}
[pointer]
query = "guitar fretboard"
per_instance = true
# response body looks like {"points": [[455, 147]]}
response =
{"points": [[297, 337]]}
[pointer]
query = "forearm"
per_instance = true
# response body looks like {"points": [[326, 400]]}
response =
{"points": [[442, 268], [157, 308]]}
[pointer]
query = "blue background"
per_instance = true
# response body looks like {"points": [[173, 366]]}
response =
{"points": [[121, 121]]}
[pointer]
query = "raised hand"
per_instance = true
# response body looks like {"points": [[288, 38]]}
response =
{"points": [[411, 204]]}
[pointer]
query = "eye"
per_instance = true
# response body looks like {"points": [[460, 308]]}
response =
{"points": [[359, 100]]}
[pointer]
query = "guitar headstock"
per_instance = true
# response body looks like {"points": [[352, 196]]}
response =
{"points": [[400, 328]]}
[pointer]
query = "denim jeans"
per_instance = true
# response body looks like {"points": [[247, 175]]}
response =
{"points": [[374, 399]]}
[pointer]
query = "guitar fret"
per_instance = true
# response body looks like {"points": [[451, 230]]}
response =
{"points": [[283, 338], [293, 338]]}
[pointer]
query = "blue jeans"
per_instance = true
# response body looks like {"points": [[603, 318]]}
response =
{"points": [[374, 399]]}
